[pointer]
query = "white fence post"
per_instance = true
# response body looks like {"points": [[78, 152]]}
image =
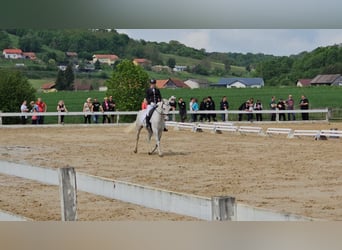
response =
{"points": [[67, 187], [223, 208], [0, 117]]}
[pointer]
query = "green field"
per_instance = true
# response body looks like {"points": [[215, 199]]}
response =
{"points": [[319, 97]]}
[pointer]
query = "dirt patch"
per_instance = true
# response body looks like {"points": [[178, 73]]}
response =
{"points": [[301, 175]]}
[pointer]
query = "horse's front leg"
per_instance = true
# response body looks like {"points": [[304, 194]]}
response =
{"points": [[158, 137]]}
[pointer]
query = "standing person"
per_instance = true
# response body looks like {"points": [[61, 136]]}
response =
{"points": [[144, 104], [96, 107], [173, 107], [105, 109], [281, 106], [202, 108], [24, 109], [273, 106], [224, 105], [211, 106], [182, 109], [61, 108], [35, 111], [87, 108], [112, 106], [290, 106], [42, 107], [153, 96], [243, 107], [258, 107], [195, 108], [304, 105]]}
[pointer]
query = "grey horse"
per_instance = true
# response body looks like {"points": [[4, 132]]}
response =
{"points": [[157, 125]]}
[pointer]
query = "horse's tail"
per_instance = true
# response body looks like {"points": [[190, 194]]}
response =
{"points": [[130, 128]]}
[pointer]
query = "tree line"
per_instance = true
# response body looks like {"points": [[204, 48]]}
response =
{"points": [[51, 45]]}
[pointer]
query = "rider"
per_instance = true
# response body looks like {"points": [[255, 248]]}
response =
{"points": [[153, 96]]}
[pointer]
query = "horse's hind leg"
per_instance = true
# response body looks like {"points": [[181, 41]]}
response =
{"points": [[158, 137], [137, 140]]}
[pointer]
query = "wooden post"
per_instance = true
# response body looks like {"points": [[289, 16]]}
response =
{"points": [[223, 208], [68, 195]]}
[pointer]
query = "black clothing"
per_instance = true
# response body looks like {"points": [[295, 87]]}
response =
{"points": [[153, 95], [182, 110], [304, 105]]}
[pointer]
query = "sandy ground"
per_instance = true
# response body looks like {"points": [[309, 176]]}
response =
{"points": [[301, 176]]}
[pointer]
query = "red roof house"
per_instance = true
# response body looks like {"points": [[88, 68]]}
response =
{"points": [[12, 53]]}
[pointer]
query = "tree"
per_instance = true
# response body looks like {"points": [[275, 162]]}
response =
{"points": [[60, 80], [69, 77], [127, 86], [14, 89], [171, 62]]}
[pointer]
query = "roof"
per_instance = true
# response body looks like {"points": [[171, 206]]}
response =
{"points": [[304, 82], [12, 51], [245, 81], [171, 82], [48, 85], [112, 57], [30, 55], [71, 54], [324, 79], [141, 60]]}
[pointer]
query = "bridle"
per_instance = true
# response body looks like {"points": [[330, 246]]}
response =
{"points": [[160, 108]]}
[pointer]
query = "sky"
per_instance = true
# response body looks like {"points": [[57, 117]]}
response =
{"points": [[278, 42]]}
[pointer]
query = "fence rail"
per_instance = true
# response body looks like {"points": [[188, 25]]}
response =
{"points": [[230, 115]]}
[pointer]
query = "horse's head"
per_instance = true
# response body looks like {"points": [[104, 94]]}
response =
{"points": [[164, 106]]}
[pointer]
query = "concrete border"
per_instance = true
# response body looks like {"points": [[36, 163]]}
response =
{"points": [[167, 201]]}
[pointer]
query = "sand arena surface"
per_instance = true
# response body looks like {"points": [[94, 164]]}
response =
{"points": [[301, 175]]}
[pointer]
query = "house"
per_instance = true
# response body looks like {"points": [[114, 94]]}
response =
{"points": [[161, 68], [109, 59], [48, 87], [239, 83], [71, 54], [330, 80], [78, 86], [197, 83], [179, 68], [142, 62], [171, 83], [12, 53], [303, 82], [29, 55]]}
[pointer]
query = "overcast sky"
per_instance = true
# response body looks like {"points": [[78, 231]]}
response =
{"points": [[280, 42]]}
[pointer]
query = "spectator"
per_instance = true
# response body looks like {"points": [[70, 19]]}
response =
{"points": [[290, 106], [61, 108], [144, 104], [211, 106], [250, 106], [281, 106], [273, 106], [224, 105], [105, 109], [112, 106], [182, 109], [42, 107], [304, 105], [87, 108], [195, 108], [243, 107], [24, 109], [258, 107], [96, 107], [203, 117], [35, 111], [173, 107]]}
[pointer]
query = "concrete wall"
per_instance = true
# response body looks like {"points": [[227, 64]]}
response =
{"points": [[168, 201]]}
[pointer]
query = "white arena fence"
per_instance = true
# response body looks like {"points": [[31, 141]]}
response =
{"points": [[217, 208], [230, 115]]}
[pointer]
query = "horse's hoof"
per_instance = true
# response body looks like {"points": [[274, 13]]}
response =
{"points": [[135, 151], [149, 153]]}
